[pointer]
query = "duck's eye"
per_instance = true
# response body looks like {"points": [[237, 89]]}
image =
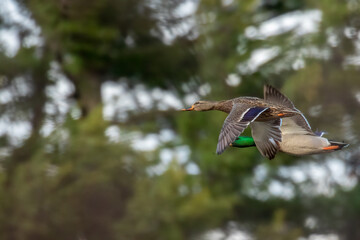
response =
{"points": [[196, 103]]}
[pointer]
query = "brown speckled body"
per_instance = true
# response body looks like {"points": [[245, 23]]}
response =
{"points": [[271, 113], [243, 111]]}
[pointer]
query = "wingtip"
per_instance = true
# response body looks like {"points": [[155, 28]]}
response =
{"points": [[266, 85], [219, 152], [271, 156], [269, 88]]}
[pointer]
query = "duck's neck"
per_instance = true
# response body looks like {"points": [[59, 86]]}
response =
{"points": [[224, 106]]}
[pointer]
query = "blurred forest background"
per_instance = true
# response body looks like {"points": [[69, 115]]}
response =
{"points": [[92, 145]]}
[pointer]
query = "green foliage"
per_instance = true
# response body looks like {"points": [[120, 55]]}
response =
{"points": [[76, 183]]}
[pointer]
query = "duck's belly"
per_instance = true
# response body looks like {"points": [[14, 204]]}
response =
{"points": [[302, 144]]}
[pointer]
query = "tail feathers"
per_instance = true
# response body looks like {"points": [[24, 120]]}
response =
{"points": [[339, 145]]}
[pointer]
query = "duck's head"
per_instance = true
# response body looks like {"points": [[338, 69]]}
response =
{"points": [[201, 106]]}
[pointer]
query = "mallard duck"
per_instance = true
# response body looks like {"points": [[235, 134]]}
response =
{"points": [[297, 136], [243, 111]]}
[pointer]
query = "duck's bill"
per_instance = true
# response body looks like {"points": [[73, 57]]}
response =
{"points": [[188, 109]]}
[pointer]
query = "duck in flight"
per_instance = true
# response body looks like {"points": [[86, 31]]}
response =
{"points": [[242, 111], [297, 137]]}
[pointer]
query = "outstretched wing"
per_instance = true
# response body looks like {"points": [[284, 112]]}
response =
{"points": [[296, 125], [273, 95], [266, 136], [239, 118]]}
